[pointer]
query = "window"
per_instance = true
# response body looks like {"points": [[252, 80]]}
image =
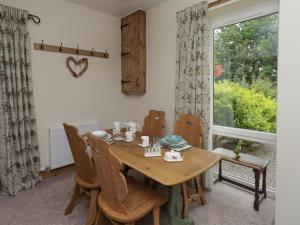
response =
{"points": [[245, 78], [245, 91]]}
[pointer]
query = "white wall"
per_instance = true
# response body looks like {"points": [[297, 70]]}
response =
{"points": [[288, 151], [96, 96], [161, 56]]}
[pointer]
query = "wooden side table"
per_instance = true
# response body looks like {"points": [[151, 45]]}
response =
{"points": [[259, 167]]}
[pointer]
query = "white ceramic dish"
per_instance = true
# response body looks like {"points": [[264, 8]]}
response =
{"points": [[181, 149], [118, 138], [127, 140], [173, 160], [144, 146], [152, 154], [99, 133], [108, 137]]}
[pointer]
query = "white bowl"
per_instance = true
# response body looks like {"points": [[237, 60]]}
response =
{"points": [[99, 133]]}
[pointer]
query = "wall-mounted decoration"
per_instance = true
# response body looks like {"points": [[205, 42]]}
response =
{"points": [[72, 64], [67, 50]]}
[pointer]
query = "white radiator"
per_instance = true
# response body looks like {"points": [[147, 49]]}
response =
{"points": [[60, 153]]}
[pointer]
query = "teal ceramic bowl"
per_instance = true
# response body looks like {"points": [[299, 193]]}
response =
{"points": [[167, 144], [173, 139]]}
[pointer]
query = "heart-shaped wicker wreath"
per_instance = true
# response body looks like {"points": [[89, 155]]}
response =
{"points": [[82, 61]]}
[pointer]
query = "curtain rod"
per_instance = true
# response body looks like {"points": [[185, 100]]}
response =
{"points": [[217, 3], [37, 19]]}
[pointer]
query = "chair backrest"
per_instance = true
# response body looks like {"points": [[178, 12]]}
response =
{"points": [[83, 166], [111, 179], [190, 128], [154, 124]]}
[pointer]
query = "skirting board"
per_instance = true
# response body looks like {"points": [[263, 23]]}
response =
{"points": [[55, 172]]}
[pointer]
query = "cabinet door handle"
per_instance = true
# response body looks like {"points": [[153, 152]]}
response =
{"points": [[124, 25], [125, 53], [125, 81]]}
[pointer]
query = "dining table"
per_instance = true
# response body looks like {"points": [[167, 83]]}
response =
{"points": [[171, 174]]}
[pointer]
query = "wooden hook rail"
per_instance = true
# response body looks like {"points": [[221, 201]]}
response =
{"points": [[67, 50]]}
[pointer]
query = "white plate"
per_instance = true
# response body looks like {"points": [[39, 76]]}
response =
{"points": [[108, 137], [99, 133], [144, 146], [118, 138], [173, 160], [127, 140], [152, 154], [182, 148]]}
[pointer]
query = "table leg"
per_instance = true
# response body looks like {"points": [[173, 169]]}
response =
{"points": [[256, 201], [264, 185], [174, 207]]}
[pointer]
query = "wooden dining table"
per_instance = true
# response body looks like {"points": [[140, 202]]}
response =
{"points": [[171, 174]]}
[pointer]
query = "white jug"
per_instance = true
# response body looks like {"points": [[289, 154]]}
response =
{"points": [[117, 127], [132, 126]]}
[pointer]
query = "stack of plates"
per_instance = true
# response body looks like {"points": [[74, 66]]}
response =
{"points": [[102, 134], [173, 141]]}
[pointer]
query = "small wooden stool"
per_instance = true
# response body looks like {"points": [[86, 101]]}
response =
{"points": [[258, 165]]}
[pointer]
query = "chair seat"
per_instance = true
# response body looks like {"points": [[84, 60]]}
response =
{"points": [[86, 184], [141, 200]]}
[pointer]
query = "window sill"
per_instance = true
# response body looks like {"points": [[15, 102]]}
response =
{"points": [[249, 135]]}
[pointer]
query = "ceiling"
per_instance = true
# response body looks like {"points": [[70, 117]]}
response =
{"points": [[118, 7]]}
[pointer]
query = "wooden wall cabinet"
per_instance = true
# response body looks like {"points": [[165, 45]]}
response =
{"points": [[133, 31]]}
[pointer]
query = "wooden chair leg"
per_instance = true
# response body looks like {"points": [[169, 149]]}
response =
{"points": [[102, 220], [155, 214], [75, 196], [125, 170], [92, 214], [185, 197], [199, 190], [99, 218]]}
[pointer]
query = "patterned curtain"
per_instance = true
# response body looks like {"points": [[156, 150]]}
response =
{"points": [[19, 152], [192, 65]]}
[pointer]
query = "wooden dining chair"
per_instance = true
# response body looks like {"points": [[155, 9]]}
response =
{"points": [[154, 124], [85, 174], [191, 129], [122, 200]]}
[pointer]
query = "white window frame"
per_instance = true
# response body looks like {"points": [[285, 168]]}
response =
{"points": [[259, 10]]}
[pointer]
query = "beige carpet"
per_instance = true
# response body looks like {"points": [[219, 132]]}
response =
{"points": [[45, 205]]}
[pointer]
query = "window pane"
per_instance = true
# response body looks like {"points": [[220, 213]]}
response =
{"points": [[245, 74]]}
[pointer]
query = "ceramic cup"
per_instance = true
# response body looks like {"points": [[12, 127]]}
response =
{"points": [[129, 136], [145, 140], [116, 127]]}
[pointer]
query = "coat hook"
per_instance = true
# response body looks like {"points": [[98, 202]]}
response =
{"points": [[77, 51], [92, 52], [42, 44], [106, 53], [60, 48]]}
